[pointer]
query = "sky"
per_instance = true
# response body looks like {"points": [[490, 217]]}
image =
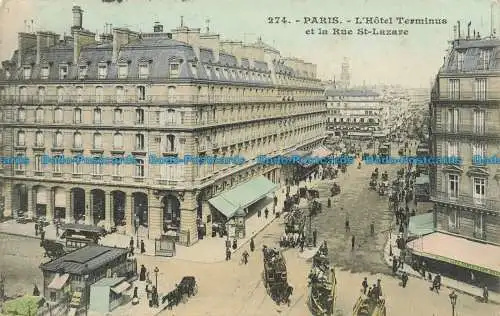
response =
{"points": [[411, 60]]}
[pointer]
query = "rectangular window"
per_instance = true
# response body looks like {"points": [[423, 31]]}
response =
{"points": [[141, 93], [480, 89], [479, 193], [452, 149], [117, 170], [453, 186], [452, 120], [460, 60], [454, 89], [97, 167], [174, 70], [82, 72], [479, 150], [77, 168], [120, 94], [478, 225], [139, 116], [139, 168], [479, 122], [484, 59], [27, 72], [38, 163], [118, 116], [143, 71], [102, 71], [122, 71], [57, 167], [19, 166], [21, 139], [44, 73], [77, 115], [139, 142], [453, 219], [63, 72]]}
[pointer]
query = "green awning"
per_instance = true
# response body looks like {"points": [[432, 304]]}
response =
{"points": [[242, 196], [422, 224]]}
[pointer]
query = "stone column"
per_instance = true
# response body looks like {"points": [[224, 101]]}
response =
{"points": [[129, 213], [30, 200], [50, 204], [88, 208], [207, 215], [69, 216], [7, 194], [108, 209], [189, 230], [155, 216]]}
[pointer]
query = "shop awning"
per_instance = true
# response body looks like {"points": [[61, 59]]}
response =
{"points": [[242, 196], [421, 225], [459, 251], [120, 288], [58, 281]]}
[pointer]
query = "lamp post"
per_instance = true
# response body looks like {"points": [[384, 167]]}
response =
{"points": [[390, 240], [86, 294], [453, 300], [156, 270]]}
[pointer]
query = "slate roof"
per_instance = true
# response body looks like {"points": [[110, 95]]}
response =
{"points": [[351, 93], [472, 55], [84, 260]]}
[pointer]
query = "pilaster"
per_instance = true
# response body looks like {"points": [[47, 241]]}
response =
{"points": [[30, 200], [88, 208], [207, 217], [7, 194], [129, 213], [108, 209], [69, 216], [50, 205]]}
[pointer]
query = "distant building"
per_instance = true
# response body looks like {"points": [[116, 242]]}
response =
{"points": [[356, 113], [345, 75]]}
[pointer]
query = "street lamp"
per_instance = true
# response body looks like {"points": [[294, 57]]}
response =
{"points": [[390, 240], [86, 294], [453, 300], [156, 270]]}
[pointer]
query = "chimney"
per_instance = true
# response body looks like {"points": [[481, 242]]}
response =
{"points": [[188, 36], [454, 32], [468, 30], [77, 18], [45, 40], [157, 28], [122, 37], [458, 23], [25, 41], [211, 41]]}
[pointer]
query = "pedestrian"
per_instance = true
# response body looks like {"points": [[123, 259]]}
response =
{"points": [[485, 294], [347, 228], [404, 279], [401, 260], [394, 264], [245, 257], [142, 273], [370, 291], [329, 203], [155, 297], [252, 245], [57, 229], [143, 247], [353, 240], [235, 244], [266, 213], [36, 291], [36, 229], [302, 244], [228, 254], [364, 284], [131, 242], [372, 228], [259, 213], [42, 236], [315, 236]]}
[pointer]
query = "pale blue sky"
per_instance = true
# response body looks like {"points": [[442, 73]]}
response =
{"points": [[412, 60]]}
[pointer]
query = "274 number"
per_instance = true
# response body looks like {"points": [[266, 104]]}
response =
{"points": [[276, 19]]}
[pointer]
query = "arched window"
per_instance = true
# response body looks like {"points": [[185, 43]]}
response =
{"points": [[41, 94], [171, 116], [97, 141], [77, 140], [97, 116], [118, 115], [171, 94], [21, 138], [21, 114], [60, 94], [99, 94], [120, 94], [58, 115], [77, 115], [118, 140], [170, 143]]}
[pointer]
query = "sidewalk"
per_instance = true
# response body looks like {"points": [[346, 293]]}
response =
{"points": [[208, 250], [460, 287]]}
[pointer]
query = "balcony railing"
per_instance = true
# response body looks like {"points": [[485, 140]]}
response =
{"points": [[466, 200], [155, 99], [468, 129], [463, 97]]}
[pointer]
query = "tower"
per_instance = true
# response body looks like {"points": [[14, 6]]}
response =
{"points": [[345, 76]]}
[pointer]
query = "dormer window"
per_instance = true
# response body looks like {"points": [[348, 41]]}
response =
{"points": [[460, 60], [102, 71], [63, 72], [82, 71], [143, 71], [485, 56], [174, 69], [122, 71], [27, 72], [217, 73], [44, 72], [194, 70]]}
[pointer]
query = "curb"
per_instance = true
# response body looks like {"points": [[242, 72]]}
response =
{"points": [[18, 235]]}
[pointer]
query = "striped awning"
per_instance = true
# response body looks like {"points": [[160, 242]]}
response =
{"points": [[58, 281], [120, 288]]}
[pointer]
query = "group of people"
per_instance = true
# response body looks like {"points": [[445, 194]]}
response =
{"points": [[292, 240], [374, 291], [132, 245]]}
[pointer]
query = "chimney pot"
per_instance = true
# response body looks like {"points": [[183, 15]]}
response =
{"points": [[77, 17]]}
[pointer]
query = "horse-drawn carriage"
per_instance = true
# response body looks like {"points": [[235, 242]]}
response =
{"points": [[315, 207], [322, 284], [275, 276], [184, 290], [335, 190], [295, 221], [53, 249], [385, 176]]}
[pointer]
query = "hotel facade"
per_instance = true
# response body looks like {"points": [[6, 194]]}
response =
{"points": [[131, 95]]}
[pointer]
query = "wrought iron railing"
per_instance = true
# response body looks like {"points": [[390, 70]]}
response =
{"points": [[465, 200], [468, 129]]}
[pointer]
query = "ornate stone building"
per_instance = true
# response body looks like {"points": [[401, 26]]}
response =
{"points": [[131, 95], [465, 122]]}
